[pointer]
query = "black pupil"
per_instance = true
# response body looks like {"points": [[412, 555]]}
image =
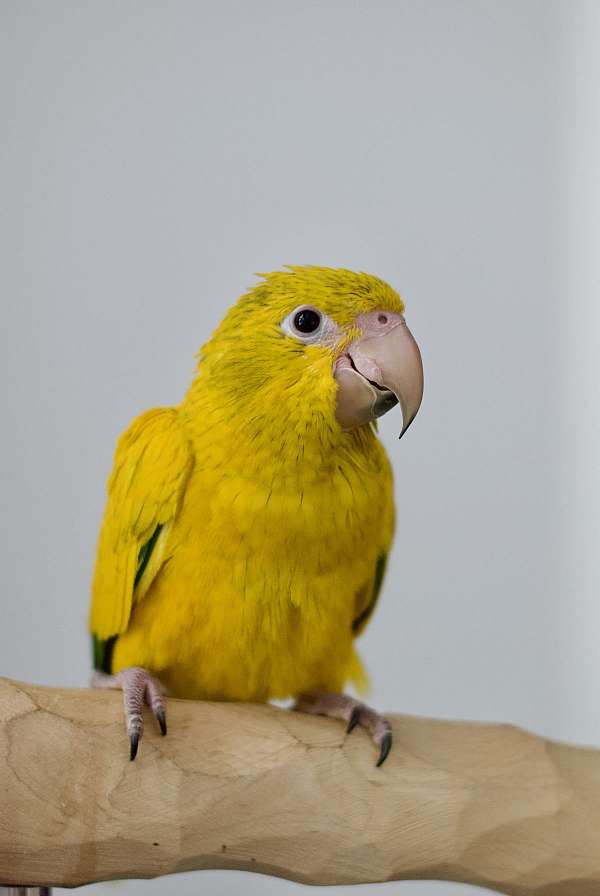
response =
{"points": [[307, 321]]}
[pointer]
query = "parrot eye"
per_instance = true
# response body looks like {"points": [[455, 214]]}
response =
{"points": [[307, 320], [305, 323]]}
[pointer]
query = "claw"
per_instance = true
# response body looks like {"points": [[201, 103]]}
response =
{"points": [[162, 721], [354, 719], [134, 741], [386, 746], [341, 706], [139, 687]]}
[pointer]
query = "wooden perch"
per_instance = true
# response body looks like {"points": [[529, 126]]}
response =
{"points": [[264, 789]]}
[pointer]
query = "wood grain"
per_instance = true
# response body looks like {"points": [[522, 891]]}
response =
{"points": [[264, 789]]}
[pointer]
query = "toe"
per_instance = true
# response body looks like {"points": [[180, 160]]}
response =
{"points": [[386, 746], [162, 721], [354, 719], [138, 687], [134, 740], [341, 706], [154, 698], [135, 729]]}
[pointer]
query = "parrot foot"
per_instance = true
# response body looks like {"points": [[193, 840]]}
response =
{"points": [[138, 687], [340, 706]]}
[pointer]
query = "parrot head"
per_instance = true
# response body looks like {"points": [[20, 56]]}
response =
{"points": [[322, 345]]}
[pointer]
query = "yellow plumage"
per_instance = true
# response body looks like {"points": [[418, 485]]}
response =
{"points": [[244, 531]]}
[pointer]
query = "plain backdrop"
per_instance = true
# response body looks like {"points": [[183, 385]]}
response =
{"points": [[154, 155]]}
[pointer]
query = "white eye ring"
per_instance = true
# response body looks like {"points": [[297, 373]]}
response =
{"points": [[292, 324]]}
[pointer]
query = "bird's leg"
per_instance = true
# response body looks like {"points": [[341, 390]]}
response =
{"points": [[340, 706], [138, 687]]}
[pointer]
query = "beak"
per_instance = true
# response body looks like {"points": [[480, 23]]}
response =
{"points": [[379, 370]]}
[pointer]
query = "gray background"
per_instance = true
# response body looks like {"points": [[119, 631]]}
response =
{"points": [[154, 155]]}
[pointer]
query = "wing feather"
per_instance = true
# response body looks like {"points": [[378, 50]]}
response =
{"points": [[366, 599], [152, 464]]}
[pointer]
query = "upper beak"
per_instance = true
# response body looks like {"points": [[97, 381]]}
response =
{"points": [[379, 370]]}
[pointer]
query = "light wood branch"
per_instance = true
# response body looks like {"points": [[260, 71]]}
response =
{"points": [[265, 789]]}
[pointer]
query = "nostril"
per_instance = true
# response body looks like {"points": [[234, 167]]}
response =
{"points": [[382, 318]]}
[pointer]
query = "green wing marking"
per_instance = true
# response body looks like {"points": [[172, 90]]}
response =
{"points": [[145, 554], [102, 650], [363, 617]]}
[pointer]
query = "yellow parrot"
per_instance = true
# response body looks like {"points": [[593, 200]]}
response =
{"points": [[246, 530]]}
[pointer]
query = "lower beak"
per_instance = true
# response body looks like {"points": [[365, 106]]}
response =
{"points": [[376, 373]]}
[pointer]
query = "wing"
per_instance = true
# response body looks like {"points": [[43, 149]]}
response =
{"points": [[366, 599], [152, 464], [367, 596]]}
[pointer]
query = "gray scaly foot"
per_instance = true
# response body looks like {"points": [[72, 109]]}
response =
{"points": [[138, 687]]}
